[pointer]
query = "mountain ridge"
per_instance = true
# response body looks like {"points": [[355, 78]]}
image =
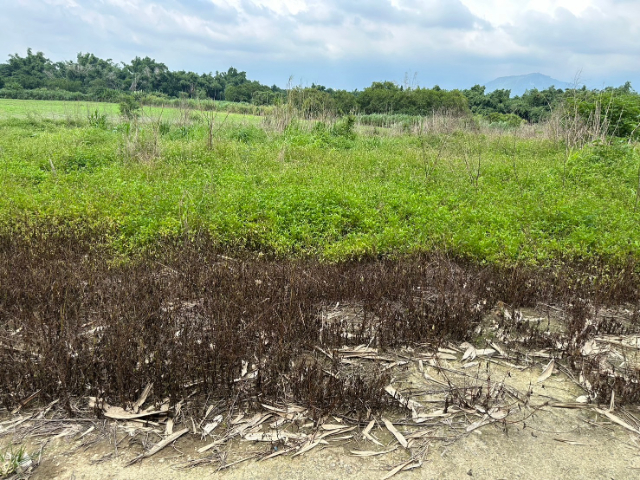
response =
{"points": [[519, 84]]}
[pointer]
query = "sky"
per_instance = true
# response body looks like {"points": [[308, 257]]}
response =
{"points": [[341, 43]]}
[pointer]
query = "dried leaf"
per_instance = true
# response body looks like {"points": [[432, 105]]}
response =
{"points": [[24, 402], [589, 348], [278, 423], [480, 423], [397, 469], [72, 430], [617, 420], [612, 404], [498, 413], [143, 398], [237, 419], [361, 351], [546, 373], [210, 427], [423, 417], [419, 434], [371, 438], [574, 405], [540, 354], [394, 364], [369, 427], [336, 432], [470, 353], [306, 448], [485, 352], [332, 426], [276, 454], [417, 464], [88, 431], [211, 445], [368, 436], [429, 378], [499, 349], [446, 356], [568, 442], [206, 415], [47, 408], [118, 413], [285, 411], [410, 404], [370, 453], [447, 350], [395, 433], [274, 409], [160, 445]]}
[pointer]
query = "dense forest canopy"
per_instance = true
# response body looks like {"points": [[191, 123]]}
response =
{"points": [[104, 79], [92, 78]]}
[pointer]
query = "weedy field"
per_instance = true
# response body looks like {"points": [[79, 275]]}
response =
{"points": [[286, 187], [206, 264]]}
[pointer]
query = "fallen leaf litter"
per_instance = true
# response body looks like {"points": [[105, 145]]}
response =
{"points": [[446, 393]]}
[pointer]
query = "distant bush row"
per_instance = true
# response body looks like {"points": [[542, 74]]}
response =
{"points": [[36, 77]]}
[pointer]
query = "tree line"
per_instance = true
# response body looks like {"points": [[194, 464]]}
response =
{"points": [[89, 77], [107, 80]]}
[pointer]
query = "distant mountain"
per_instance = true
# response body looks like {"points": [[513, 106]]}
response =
{"points": [[518, 84]]}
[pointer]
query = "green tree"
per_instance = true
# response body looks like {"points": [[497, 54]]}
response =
{"points": [[31, 71], [312, 102]]}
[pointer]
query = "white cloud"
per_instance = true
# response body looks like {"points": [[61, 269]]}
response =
{"points": [[451, 42], [504, 12]]}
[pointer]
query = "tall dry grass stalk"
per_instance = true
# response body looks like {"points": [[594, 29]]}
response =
{"points": [[299, 106], [567, 125], [141, 139]]}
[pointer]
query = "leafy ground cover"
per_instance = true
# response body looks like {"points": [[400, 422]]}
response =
{"points": [[318, 266], [315, 189]]}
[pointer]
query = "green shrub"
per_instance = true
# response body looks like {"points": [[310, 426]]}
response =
{"points": [[603, 159], [345, 127], [129, 108], [622, 111], [509, 120], [164, 128], [97, 120], [248, 134]]}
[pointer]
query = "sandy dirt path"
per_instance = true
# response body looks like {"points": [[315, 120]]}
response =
{"points": [[552, 443]]}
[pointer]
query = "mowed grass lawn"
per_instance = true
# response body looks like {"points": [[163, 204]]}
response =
{"points": [[317, 190]]}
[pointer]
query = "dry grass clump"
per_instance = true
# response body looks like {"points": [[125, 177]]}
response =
{"points": [[76, 324]]}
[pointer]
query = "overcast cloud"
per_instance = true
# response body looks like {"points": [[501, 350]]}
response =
{"points": [[343, 44]]}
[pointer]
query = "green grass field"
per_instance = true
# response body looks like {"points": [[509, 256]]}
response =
{"points": [[315, 189], [74, 112]]}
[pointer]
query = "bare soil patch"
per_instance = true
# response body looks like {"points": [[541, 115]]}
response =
{"points": [[551, 443]]}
